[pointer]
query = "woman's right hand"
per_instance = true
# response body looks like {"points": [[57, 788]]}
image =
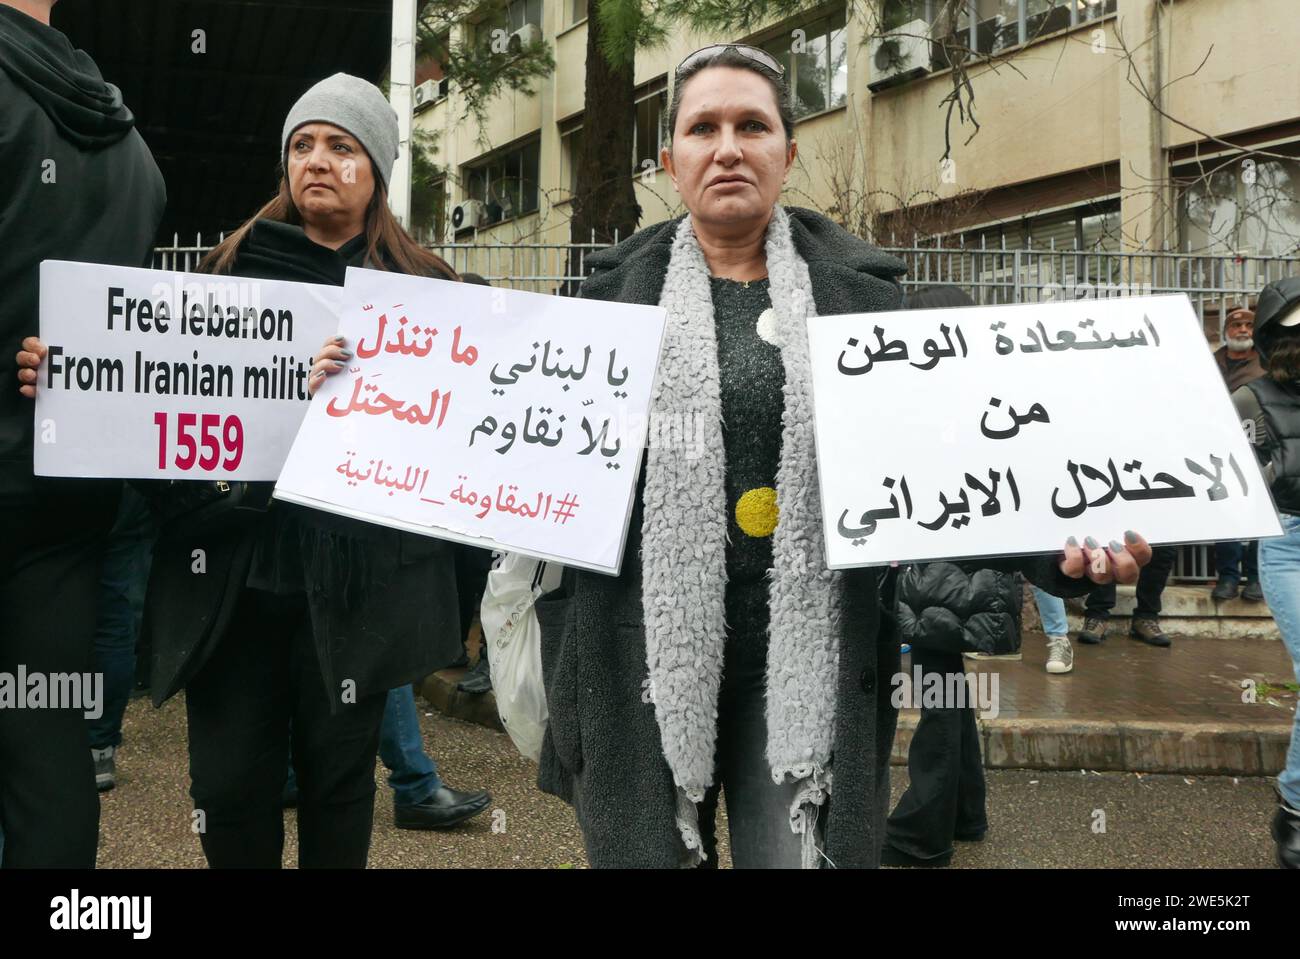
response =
{"points": [[30, 358], [331, 359]]}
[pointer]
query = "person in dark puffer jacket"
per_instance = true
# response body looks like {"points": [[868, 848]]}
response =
{"points": [[1272, 405], [943, 610]]}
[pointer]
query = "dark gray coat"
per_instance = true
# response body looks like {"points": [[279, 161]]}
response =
{"points": [[602, 750]]}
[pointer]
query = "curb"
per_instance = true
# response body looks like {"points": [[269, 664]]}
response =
{"points": [[440, 690], [1202, 749], [1199, 749]]}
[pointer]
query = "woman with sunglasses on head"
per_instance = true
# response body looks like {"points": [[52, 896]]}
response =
{"points": [[725, 656]]}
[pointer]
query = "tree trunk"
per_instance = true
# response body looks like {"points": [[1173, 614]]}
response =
{"points": [[605, 202]]}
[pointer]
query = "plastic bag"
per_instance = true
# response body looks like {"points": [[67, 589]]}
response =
{"points": [[514, 639]]}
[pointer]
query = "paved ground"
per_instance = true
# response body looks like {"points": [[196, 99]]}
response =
{"points": [[1197, 679], [1036, 818]]}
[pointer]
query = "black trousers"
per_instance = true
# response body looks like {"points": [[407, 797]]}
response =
{"points": [[945, 794], [264, 680], [49, 592], [1150, 585]]}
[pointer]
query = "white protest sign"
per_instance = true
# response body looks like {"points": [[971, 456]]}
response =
{"points": [[155, 374], [495, 417], [1007, 429]]}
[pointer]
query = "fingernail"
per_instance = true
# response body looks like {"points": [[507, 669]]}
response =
{"points": [[338, 339], [1116, 547], [337, 365], [1091, 543], [1071, 542], [1130, 537], [347, 354]]}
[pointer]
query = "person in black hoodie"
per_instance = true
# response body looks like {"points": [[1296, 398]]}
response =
{"points": [[299, 622], [80, 184]]}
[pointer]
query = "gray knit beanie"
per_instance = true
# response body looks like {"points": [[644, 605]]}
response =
{"points": [[354, 105]]}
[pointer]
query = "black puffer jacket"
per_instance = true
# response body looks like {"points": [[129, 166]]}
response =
{"points": [[959, 607]]}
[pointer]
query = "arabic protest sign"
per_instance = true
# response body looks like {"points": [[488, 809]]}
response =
{"points": [[1007, 429], [154, 374], [495, 417]]}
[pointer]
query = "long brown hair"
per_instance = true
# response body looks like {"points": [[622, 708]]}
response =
{"points": [[388, 246]]}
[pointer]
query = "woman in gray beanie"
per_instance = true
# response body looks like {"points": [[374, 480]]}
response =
{"points": [[302, 621]]}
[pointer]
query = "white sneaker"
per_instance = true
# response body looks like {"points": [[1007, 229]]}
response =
{"points": [[1060, 654], [1013, 657]]}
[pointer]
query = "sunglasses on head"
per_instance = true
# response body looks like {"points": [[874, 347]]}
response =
{"points": [[704, 54]]}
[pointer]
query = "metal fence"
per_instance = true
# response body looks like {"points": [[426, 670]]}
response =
{"points": [[1214, 284]]}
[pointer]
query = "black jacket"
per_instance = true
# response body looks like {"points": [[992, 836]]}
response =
{"points": [[963, 607], [78, 184], [602, 750], [383, 603], [1273, 406]]}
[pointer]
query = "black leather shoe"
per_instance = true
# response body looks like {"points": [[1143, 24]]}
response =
{"points": [[479, 679], [1253, 592], [1149, 631], [1093, 632], [970, 835], [1225, 589], [1286, 833], [445, 808]]}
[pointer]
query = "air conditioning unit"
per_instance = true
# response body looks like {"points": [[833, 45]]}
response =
{"points": [[425, 94], [525, 36], [900, 56], [468, 215]]}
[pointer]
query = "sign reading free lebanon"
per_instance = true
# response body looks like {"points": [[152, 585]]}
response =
{"points": [[1002, 430], [155, 374], [495, 417]]}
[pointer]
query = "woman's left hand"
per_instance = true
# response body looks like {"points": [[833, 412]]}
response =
{"points": [[1117, 563]]}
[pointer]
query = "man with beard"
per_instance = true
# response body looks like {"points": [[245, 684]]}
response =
{"points": [[1239, 363]]}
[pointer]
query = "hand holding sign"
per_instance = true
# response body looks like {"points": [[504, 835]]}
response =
{"points": [[1119, 563], [330, 359], [29, 363]]}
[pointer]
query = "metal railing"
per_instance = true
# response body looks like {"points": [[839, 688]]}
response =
{"points": [[1214, 284]]}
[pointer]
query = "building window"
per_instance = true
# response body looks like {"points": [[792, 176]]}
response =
{"points": [[1249, 208], [992, 26], [1092, 227], [506, 183], [510, 18], [577, 11], [650, 130], [570, 151], [815, 57]]}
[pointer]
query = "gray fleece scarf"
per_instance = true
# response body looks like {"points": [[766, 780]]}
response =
{"points": [[684, 534]]}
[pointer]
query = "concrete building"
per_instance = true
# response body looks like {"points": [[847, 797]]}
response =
{"points": [[1105, 124]]}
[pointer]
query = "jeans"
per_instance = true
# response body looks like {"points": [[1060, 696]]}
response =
{"points": [[1279, 574], [758, 810], [121, 608], [1151, 583], [945, 792], [412, 774], [1229, 559], [1051, 610]]}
